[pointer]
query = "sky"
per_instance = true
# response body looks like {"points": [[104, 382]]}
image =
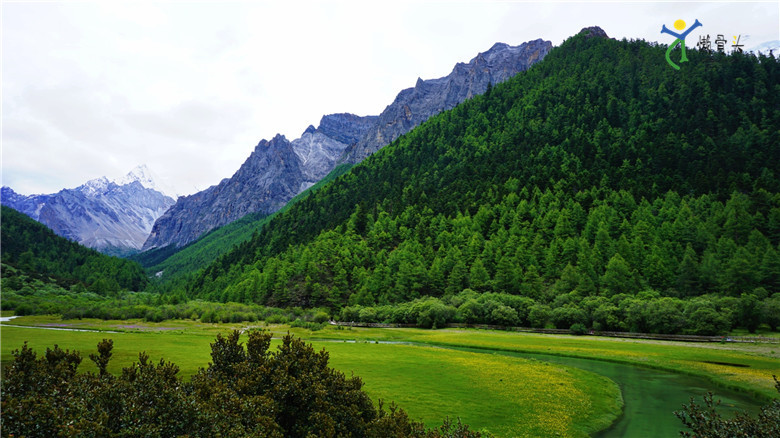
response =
{"points": [[93, 89]]}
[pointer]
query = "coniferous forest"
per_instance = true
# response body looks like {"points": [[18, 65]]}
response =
{"points": [[599, 188], [32, 252]]}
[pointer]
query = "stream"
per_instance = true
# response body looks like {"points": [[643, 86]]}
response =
{"points": [[5, 319], [650, 396]]}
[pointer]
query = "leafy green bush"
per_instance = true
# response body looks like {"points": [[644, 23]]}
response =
{"points": [[578, 329], [246, 390], [706, 421], [313, 326]]}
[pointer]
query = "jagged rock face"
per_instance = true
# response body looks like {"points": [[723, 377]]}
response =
{"points": [[101, 214], [346, 128], [413, 106], [278, 170], [273, 174], [318, 154], [593, 31], [29, 205]]}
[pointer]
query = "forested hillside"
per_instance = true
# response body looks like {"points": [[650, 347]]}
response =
{"points": [[173, 266], [599, 188], [32, 253]]}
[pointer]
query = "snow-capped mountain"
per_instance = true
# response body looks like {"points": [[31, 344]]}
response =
{"points": [[148, 179], [114, 217]]}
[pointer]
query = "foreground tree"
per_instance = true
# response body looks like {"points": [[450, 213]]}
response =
{"points": [[705, 421], [245, 391]]}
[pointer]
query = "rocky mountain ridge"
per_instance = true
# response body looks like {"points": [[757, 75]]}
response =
{"points": [[279, 169], [415, 105], [274, 173], [114, 217]]}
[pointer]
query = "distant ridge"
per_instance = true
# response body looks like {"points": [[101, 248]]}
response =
{"points": [[278, 169], [114, 217], [274, 173], [415, 105]]}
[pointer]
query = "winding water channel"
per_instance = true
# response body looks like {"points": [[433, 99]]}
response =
{"points": [[650, 396]]}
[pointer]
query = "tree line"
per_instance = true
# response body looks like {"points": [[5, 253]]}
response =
{"points": [[34, 251], [596, 174]]}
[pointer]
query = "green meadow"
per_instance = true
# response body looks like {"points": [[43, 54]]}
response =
{"points": [[507, 396], [747, 367]]}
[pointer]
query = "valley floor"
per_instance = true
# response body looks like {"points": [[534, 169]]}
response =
{"points": [[437, 373]]}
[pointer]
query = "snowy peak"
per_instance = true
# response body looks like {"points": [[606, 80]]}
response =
{"points": [[143, 175], [95, 187], [114, 217]]}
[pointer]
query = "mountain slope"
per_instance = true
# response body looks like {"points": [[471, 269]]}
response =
{"points": [[414, 105], [599, 177], [33, 249], [114, 217], [340, 138], [172, 265], [274, 173]]}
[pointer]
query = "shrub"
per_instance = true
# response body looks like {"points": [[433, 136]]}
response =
{"points": [[471, 312], [564, 317], [538, 315], [313, 326], [367, 314], [504, 315], [578, 329], [246, 390], [320, 317], [277, 319]]}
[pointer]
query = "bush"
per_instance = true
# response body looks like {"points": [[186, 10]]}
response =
{"points": [[504, 315], [708, 322], [367, 314], [320, 317], [313, 326], [578, 329], [471, 312], [277, 319], [706, 421], [351, 313], [432, 313], [538, 315], [564, 317], [246, 390]]}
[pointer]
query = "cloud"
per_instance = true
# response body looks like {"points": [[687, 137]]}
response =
{"points": [[93, 89]]}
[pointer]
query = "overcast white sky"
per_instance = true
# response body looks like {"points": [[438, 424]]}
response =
{"points": [[189, 88]]}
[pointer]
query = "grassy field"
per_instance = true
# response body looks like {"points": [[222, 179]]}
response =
{"points": [[506, 396], [485, 390], [744, 367]]}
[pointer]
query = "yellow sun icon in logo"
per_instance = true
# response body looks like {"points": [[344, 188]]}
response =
{"points": [[679, 24]]}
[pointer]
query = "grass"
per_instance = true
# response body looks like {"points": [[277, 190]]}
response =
{"points": [[506, 395], [713, 361]]}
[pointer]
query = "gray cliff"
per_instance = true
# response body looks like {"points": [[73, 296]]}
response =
{"points": [[415, 105], [280, 169], [274, 173]]}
